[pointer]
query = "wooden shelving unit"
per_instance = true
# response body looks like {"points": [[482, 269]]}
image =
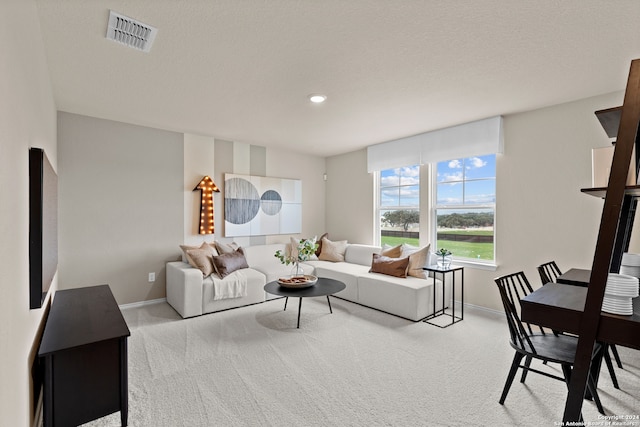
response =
{"points": [[615, 227], [610, 120]]}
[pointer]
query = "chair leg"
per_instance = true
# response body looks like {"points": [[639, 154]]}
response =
{"points": [[566, 370], [527, 363], [517, 358], [612, 373], [616, 356], [594, 394]]}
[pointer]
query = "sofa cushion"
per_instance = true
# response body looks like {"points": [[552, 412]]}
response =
{"points": [[345, 272], [360, 254], [227, 263], [255, 291], [411, 298], [396, 267], [333, 251]]}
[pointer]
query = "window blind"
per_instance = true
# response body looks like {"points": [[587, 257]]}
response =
{"points": [[467, 140]]}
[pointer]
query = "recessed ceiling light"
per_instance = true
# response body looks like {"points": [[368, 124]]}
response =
{"points": [[317, 98]]}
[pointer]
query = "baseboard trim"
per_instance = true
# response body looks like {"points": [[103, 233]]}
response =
{"points": [[481, 308], [143, 303]]}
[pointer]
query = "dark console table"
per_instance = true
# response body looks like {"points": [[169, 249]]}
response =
{"points": [[84, 350]]}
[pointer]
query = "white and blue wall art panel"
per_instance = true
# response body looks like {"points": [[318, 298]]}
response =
{"points": [[258, 205]]}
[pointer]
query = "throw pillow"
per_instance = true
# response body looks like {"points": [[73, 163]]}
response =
{"points": [[227, 263], [201, 259], [292, 249], [392, 251], [417, 259], [319, 250], [408, 249], [396, 267], [204, 245], [224, 248], [333, 251]]}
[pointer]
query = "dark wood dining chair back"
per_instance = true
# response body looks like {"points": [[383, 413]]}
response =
{"points": [[512, 288], [515, 286], [549, 272]]}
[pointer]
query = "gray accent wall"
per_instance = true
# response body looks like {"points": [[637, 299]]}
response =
{"points": [[121, 205]]}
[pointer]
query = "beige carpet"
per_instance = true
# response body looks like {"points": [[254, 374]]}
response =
{"points": [[358, 367]]}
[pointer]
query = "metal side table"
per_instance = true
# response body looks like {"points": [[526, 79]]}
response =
{"points": [[437, 313]]}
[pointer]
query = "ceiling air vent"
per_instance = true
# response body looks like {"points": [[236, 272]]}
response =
{"points": [[130, 32]]}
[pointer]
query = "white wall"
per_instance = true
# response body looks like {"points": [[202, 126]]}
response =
{"points": [[27, 118], [199, 155], [121, 203], [349, 208], [541, 214]]}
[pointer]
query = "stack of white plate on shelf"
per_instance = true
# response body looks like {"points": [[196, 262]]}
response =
{"points": [[630, 264], [618, 294]]}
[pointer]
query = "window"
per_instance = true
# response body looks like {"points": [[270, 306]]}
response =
{"points": [[399, 205], [465, 207]]}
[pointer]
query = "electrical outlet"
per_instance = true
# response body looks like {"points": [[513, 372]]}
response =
{"points": [[152, 277]]}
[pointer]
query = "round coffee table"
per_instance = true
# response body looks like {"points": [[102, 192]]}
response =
{"points": [[323, 287]]}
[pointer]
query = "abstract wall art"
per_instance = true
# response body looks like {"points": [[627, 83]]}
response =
{"points": [[257, 205]]}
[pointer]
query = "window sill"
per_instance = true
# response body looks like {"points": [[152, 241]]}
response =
{"points": [[476, 265]]}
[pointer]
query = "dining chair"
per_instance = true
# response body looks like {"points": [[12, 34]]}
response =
{"points": [[549, 272], [551, 348]]}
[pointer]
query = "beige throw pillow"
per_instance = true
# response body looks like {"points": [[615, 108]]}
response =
{"points": [[333, 251], [392, 251], [201, 259], [205, 246], [319, 250], [417, 259], [224, 248]]}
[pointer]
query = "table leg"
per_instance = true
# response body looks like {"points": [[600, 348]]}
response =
{"points": [[124, 383], [286, 300], [453, 295], [329, 302], [299, 310], [461, 295], [434, 294]]}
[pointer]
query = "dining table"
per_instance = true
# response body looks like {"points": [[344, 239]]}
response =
{"points": [[560, 307]]}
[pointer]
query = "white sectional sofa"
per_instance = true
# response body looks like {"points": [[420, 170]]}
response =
{"points": [[412, 298]]}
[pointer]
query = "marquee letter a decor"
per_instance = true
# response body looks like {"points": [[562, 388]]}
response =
{"points": [[207, 187]]}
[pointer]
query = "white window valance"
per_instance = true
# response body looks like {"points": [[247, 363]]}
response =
{"points": [[467, 140]]}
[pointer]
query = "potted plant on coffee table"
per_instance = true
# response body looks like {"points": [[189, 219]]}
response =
{"points": [[303, 252]]}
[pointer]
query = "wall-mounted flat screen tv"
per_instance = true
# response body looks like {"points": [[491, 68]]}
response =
{"points": [[43, 226]]}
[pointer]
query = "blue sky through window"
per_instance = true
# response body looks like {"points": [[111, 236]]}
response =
{"points": [[467, 181], [400, 186]]}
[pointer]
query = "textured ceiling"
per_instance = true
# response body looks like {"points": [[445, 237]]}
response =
{"points": [[242, 69]]}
